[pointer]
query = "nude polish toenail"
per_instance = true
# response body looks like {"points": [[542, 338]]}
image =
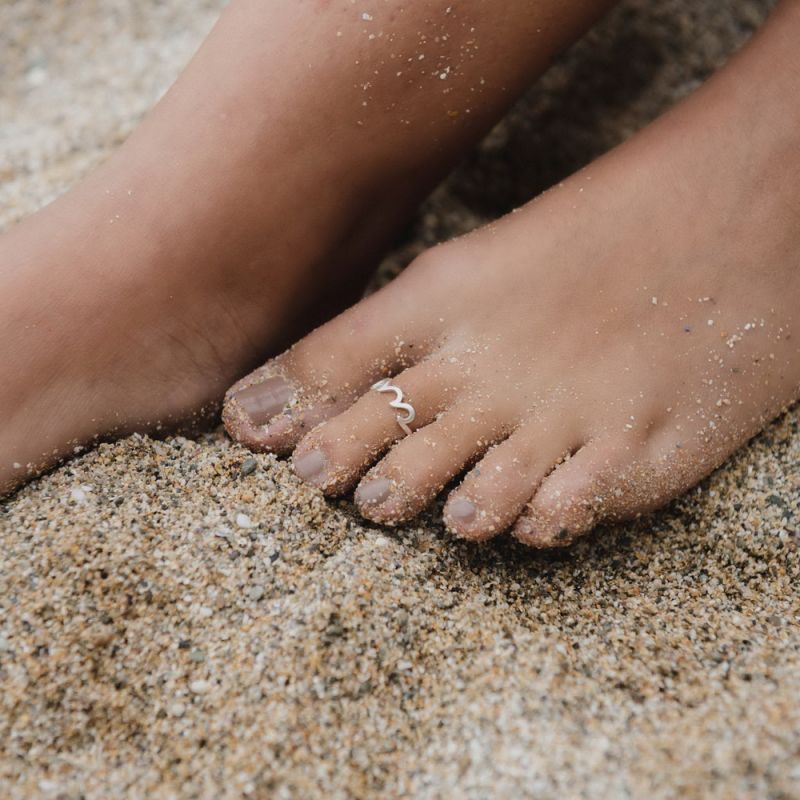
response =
{"points": [[262, 401], [462, 510], [311, 466], [373, 492]]}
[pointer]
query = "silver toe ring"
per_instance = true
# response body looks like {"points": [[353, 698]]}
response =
{"points": [[403, 420]]}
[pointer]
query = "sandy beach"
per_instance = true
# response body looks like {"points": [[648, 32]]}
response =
{"points": [[181, 619]]}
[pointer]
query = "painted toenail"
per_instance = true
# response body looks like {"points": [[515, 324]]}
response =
{"points": [[262, 401], [311, 466], [373, 492], [462, 510]]}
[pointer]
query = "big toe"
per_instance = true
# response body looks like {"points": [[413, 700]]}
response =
{"points": [[322, 375]]}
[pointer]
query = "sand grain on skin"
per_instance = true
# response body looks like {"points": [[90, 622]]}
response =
{"points": [[183, 618]]}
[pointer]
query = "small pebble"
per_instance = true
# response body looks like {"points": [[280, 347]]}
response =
{"points": [[78, 495], [249, 466], [255, 593]]}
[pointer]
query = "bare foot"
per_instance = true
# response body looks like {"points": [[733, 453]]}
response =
{"points": [[257, 194], [596, 353]]}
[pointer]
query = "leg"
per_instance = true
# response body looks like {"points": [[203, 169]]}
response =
{"points": [[596, 353], [265, 183]]}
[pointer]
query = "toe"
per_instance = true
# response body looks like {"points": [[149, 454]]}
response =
{"points": [[496, 491], [274, 407], [337, 453], [589, 487], [421, 465]]}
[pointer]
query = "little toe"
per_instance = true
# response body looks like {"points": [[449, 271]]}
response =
{"points": [[337, 453], [580, 493], [417, 468], [495, 492]]}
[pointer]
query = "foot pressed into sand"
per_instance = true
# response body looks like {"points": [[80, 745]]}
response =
{"points": [[589, 357]]}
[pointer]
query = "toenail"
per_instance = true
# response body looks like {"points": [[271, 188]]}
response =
{"points": [[462, 510], [373, 492], [262, 401], [311, 466]]}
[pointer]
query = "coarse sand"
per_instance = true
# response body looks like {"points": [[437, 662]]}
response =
{"points": [[180, 619]]}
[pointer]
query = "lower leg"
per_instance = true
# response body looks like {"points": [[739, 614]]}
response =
{"points": [[268, 179]]}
